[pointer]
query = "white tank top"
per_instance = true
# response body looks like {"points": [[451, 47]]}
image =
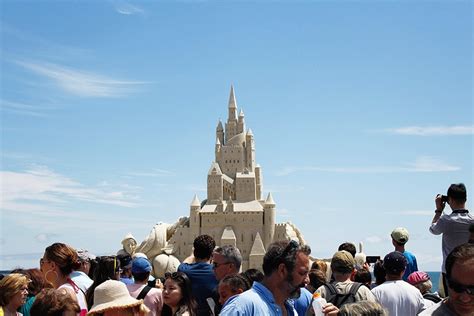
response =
{"points": [[81, 298]]}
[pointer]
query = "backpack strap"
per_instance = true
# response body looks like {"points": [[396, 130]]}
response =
{"points": [[144, 292], [355, 288], [432, 297], [352, 293], [332, 289]]}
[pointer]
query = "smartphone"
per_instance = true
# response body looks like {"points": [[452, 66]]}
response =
{"points": [[372, 259]]}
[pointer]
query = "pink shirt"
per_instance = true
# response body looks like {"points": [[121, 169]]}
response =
{"points": [[153, 300]]}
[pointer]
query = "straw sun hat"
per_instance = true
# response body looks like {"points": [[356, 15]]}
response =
{"points": [[112, 295]]}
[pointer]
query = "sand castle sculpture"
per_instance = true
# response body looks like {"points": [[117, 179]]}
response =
{"points": [[234, 212]]}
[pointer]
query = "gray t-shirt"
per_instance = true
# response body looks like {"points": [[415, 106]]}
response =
{"points": [[455, 230], [439, 309]]}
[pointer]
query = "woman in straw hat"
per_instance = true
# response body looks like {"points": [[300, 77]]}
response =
{"points": [[112, 298]]}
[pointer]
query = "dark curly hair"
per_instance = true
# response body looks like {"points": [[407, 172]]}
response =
{"points": [[283, 252], [203, 246]]}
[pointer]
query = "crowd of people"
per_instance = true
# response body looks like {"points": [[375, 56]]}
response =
{"points": [[72, 282]]}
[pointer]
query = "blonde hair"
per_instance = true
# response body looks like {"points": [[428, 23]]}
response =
{"points": [[10, 286]]}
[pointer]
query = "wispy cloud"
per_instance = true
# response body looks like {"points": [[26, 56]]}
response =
{"points": [[42, 191], [128, 9], [43, 237], [152, 173], [24, 109], [374, 239], [421, 164], [433, 130], [81, 83]]}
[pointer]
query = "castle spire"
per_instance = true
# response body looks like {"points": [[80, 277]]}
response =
{"points": [[232, 105], [195, 201], [269, 200]]}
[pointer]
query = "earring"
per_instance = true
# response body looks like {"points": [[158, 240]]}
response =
{"points": [[55, 279]]}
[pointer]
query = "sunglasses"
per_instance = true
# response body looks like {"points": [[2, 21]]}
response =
{"points": [[461, 288], [292, 246], [217, 265]]}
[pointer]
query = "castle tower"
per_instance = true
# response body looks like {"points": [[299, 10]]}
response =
{"points": [[220, 132], [250, 150], [241, 122], [259, 182], [218, 149], [231, 125], [194, 218], [215, 184], [269, 220]]}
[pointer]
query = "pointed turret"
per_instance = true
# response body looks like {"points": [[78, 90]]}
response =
{"points": [[269, 201], [257, 247], [232, 105], [232, 101], [249, 132], [257, 253], [241, 113], [215, 169], [220, 132], [195, 201], [269, 215]]}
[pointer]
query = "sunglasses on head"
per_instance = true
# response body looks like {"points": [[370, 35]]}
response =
{"points": [[292, 246], [461, 288]]}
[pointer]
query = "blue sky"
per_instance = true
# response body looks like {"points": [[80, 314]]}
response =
{"points": [[361, 110]]}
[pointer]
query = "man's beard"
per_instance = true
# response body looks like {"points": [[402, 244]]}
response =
{"points": [[295, 291]]}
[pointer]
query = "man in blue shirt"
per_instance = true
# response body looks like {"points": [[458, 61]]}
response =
{"points": [[200, 272], [286, 267], [399, 239]]}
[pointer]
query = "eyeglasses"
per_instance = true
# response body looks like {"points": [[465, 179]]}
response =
{"points": [[217, 265], [461, 288]]}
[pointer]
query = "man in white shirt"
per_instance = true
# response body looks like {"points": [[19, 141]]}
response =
{"points": [[80, 276], [396, 295], [454, 226]]}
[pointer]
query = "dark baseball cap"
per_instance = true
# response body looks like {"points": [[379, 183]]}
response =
{"points": [[394, 262]]}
